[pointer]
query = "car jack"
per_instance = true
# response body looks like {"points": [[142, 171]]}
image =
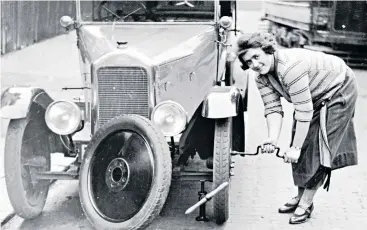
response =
{"points": [[202, 212], [203, 198]]}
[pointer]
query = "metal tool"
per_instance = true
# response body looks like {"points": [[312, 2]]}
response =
{"points": [[242, 154], [206, 198]]}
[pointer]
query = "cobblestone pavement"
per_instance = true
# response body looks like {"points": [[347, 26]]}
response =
{"points": [[260, 185]]}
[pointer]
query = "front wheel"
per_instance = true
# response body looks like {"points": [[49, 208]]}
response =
{"points": [[27, 152], [125, 175], [221, 168]]}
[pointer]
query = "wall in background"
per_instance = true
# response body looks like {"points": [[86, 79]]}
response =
{"points": [[26, 22]]}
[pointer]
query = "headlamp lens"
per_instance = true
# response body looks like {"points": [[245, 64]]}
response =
{"points": [[63, 117], [170, 117]]}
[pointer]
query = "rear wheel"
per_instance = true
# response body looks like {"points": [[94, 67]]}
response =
{"points": [[125, 175], [27, 152], [221, 168]]}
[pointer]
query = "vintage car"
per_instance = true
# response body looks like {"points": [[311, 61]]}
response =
{"points": [[157, 91]]}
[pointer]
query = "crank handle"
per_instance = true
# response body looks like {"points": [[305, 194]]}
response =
{"points": [[277, 153], [277, 149], [206, 198], [242, 154]]}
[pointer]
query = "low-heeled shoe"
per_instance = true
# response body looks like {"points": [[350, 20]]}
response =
{"points": [[288, 208], [298, 219]]}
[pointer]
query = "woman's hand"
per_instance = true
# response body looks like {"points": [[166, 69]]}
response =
{"points": [[292, 155], [268, 146]]}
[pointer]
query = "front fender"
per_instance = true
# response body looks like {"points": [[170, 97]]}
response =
{"points": [[31, 103], [16, 101], [221, 102]]}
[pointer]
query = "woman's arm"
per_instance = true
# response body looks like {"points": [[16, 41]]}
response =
{"points": [[301, 133], [292, 154], [297, 81], [274, 121], [273, 113]]}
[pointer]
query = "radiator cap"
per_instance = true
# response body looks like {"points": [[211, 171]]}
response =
{"points": [[121, 45]]}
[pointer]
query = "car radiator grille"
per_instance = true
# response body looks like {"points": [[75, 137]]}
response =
{"points": [[122, 90]]}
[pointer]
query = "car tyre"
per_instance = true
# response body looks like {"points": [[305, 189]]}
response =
{"points": [[26, 152], [98, 214], [221, 168]]}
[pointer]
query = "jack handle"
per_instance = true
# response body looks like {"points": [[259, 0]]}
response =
{"points": [[242, 154], [206, 198]]}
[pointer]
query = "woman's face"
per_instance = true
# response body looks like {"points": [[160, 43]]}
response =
{"points": [[257, 60]]}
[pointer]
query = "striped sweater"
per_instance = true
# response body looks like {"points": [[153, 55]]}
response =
{"points": [[304, 78]]}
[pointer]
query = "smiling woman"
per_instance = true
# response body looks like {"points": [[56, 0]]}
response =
{"points": [[147, 11], [260, 56], [323, 91]]}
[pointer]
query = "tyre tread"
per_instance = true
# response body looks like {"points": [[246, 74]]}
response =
{"points": [[221, 169]]}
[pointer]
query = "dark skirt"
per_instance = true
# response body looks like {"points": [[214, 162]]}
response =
{"points": [[341, 137]]}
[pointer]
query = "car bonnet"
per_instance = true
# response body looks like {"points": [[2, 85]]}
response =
{"points": [[151, 40]]}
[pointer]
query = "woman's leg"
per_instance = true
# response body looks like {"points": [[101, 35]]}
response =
{"points": [[305, 206], [307, 197], [300, 192], [295, 200], [292, 204]]}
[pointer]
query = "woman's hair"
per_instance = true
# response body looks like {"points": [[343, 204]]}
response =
{"points": [[265, 41]]}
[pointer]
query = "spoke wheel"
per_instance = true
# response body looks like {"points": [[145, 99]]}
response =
{"points": [[125, 175], [221, 168], [27, 151]]}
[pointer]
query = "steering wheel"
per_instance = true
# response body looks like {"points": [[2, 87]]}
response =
{"points": [[119, 13], [141, 6], [185, 2]]}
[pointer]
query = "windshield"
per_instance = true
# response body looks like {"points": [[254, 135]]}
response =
{"points": [[147, 11]]}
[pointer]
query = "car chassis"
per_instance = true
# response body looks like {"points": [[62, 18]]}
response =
{"points": [[130, 158]]}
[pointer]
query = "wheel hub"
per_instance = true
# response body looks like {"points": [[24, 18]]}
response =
{"points": [[117, 174]]}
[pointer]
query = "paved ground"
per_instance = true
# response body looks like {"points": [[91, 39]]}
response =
{"points": [[260, 183]]}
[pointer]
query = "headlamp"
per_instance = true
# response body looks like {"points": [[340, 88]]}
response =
{"points": [[63, 117], [170, 117], [225, 22], [66, 21]]}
